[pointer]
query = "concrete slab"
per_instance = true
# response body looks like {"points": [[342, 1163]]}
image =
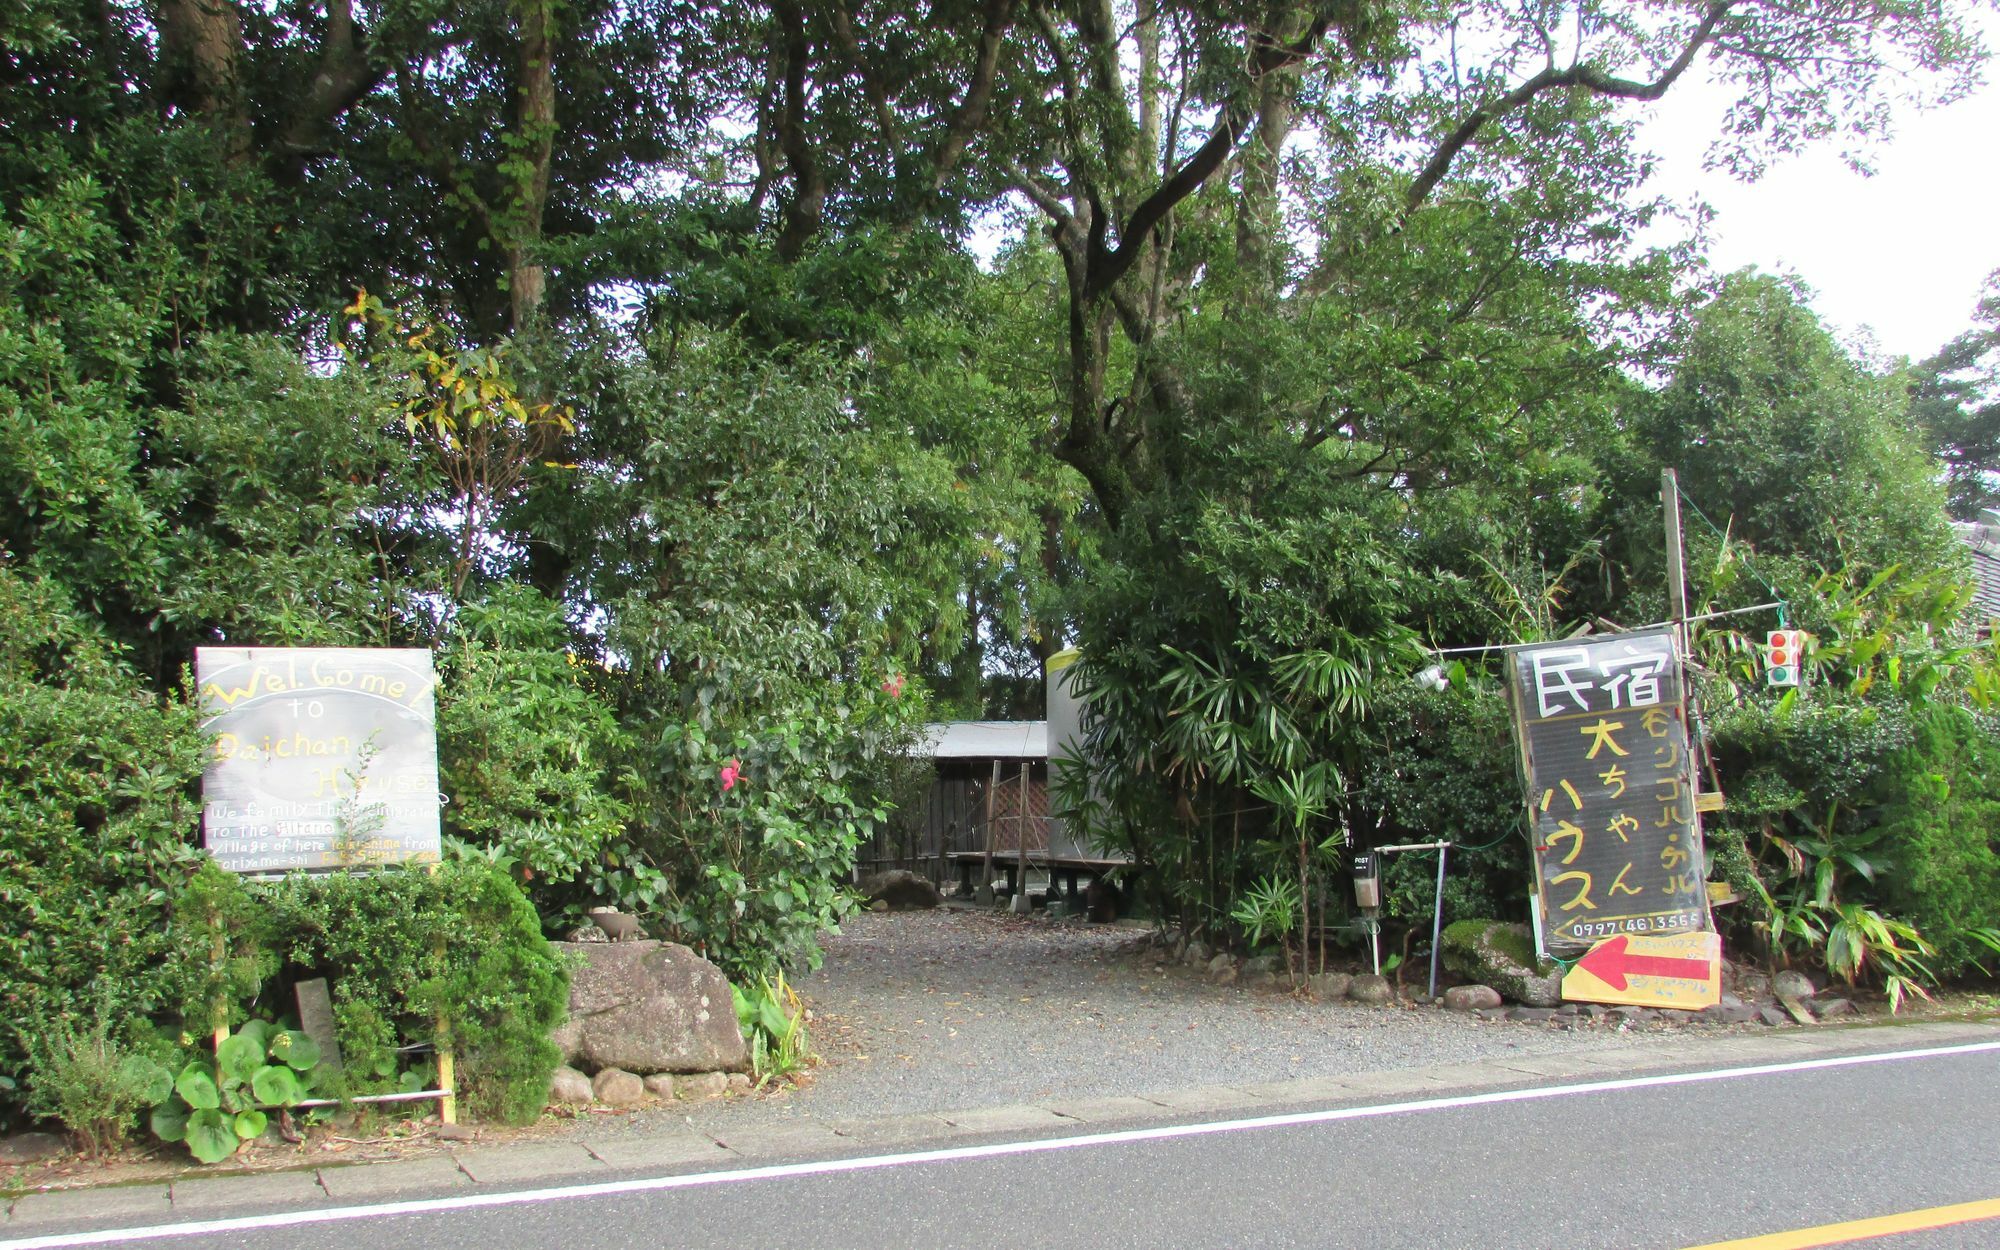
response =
{"points": [[1312, 1089], [526, 1164], [785, 1142], [1207, 1100], [209, 1194], [1118, 1109], [399, 1178], [679, 1148], [1470, 1075], [1417, 1082], [1012, 1119], [111, 1202], [895, 1130]]}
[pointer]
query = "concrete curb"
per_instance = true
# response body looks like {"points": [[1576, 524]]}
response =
{"points": [[470, 1168]]}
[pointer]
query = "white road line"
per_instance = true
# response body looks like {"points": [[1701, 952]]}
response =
{"points": [[602, 1189]]}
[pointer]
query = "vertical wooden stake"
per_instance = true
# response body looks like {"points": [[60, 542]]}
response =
{"points": [[447, 1105], [446, 1075], [219, 953]]}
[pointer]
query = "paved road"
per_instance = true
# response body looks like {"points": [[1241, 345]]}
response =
{"points": [[1648, 1161]]}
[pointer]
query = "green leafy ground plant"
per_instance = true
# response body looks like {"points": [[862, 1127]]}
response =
{"points": [[216, 1105]]}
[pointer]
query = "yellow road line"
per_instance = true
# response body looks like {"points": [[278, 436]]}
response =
{"points": [[1861, 1230]]}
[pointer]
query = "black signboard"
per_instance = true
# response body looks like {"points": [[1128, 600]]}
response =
{"points": [[322, 758], [1602, 727]]}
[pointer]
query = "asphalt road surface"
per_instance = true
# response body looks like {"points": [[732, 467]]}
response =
{"points": [[1685, 1159]]}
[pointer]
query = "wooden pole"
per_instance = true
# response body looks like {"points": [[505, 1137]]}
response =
{"points": [[1677, 595], [447, 1066], [986, 801], [1021, 834]]}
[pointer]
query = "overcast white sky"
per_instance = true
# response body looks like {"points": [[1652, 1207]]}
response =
{"points": [[1902, 254]]}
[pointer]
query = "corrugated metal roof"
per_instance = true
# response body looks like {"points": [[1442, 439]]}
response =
{"points": [[1983, 538], [985, 740]]}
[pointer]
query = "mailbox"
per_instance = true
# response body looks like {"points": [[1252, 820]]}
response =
{"points": [[1367, 869]]}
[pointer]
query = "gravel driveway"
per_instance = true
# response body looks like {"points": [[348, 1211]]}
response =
{"points": [[955, 1009]]}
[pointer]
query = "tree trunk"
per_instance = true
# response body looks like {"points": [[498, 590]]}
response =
{"points": [[535, 123]]}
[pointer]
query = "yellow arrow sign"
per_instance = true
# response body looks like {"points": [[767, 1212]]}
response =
{"points": [[1680, 970]]}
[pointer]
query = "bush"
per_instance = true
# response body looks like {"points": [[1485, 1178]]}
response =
{"points": [[1941, 820], [87, 1080], [402, 948], [97, 821], [524, 746]]}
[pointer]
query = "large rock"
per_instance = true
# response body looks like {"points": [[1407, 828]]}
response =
{"points": [[1791, 984], [1371, 989], [1502, 956], [615, 1087], [1471, 998], [570, 1087], [649, 1007], [901, 890]]}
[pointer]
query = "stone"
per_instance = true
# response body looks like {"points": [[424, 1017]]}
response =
{"points": [[615, 1087], [617, 926], [1532, 1015], [1225, 975], [1832, 1008], [1633, 1015], [570, 1087], [455, 1132], [701, 1086], [316, 1021], [1020, 904], [1261, 980], [1771, 1016], [1503, 956], [1221, 963], [1371, 989], [31, 1147], [1729, 1013], [1330, 986], [1753, 985], [901, 889], [1730, 1000], [1595, 1011], [740, 1083], [1792, 984], [649, 1006], [661, 1085], [1471, 997], [1261, 963], [1196, 954]]}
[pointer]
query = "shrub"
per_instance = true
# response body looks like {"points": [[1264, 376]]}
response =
{"points": [[87, 1080], [403, 948], [96, 826], [524, 745]]}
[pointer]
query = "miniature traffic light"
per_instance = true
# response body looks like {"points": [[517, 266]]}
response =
{"points": [[1783, 657]]}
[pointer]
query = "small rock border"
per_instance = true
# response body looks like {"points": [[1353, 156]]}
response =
{"points": [[615, 1087], [1772, 1002]]}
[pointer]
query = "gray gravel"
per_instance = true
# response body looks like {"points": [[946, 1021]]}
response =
{"points": [[956, 1009]]}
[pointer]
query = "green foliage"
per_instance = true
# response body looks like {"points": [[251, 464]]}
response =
{"points": [[90, 1082], [525, 747], [1269, 909], [773, 1021], [96, 823], [217, 1104], [460, 948]]}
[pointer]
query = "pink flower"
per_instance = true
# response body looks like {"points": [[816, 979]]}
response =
{"points": [[894, 686], [730, 772]]}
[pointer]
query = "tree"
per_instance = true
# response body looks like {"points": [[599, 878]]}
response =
{"points": [[1955, 398], [1778, 434]]}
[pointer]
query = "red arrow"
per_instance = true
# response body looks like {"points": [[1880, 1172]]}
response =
{"points": [[1608, 962]]}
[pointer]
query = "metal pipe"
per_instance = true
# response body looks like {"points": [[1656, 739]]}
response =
{"points": [[1437, 917], [422, 1095]]}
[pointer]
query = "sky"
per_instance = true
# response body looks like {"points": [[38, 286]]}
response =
{"points": [[1900, 257]]}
